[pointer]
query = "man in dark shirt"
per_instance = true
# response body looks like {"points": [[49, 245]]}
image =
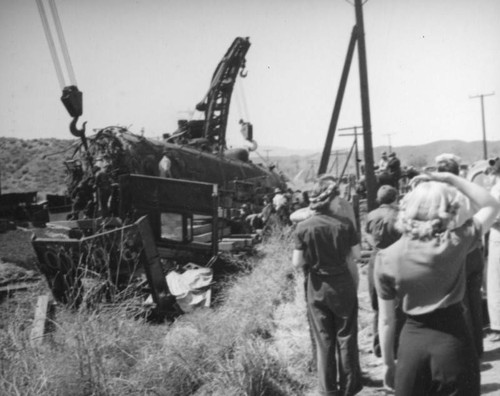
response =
{"points": [[381, 233], [323, 243]]}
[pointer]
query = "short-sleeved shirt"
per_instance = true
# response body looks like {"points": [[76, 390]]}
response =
{"points": [[380, 225], [495, 191], [326, 241], [426, 274]]}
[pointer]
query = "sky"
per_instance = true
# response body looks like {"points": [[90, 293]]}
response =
{"points": [[144, 64]]}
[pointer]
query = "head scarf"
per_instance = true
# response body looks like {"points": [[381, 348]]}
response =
{"points": [[322, 194]]}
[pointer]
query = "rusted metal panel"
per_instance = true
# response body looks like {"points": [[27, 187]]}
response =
{"points": [[115, 256]]}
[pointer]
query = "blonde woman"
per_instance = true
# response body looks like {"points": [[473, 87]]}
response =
{"points": [[425, 270]]}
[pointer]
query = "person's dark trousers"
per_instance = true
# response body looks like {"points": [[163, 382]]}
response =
{"points": [[436, 356], [372, 292], [313, 362], [333, 311], [473, 301]]}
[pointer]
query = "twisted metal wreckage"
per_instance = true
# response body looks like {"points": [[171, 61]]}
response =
{"points": [[158, 202]]}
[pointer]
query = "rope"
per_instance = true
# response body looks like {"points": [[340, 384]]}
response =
{"points": [[62, 41], [50, 41]]}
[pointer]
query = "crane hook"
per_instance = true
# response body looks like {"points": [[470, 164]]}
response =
{"points": [[243, 73], [74, 130]]}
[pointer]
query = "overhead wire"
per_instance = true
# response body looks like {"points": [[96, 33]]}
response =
{"points": [[244, 99]]}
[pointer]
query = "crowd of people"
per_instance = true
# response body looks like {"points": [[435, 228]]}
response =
{"points": [[425, 277]]}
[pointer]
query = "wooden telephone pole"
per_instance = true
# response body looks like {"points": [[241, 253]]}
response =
{"points": [[485, 149], [356, 150], [371, 183]]}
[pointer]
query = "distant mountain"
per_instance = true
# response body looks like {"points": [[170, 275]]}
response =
{"points": [[38, 164], [417, 156]]}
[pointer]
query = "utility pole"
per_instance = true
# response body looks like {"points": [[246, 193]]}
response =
{"points": [[336, 162], [323, 165], [267, 154], [356, 151], [485, 149], [389, 140], [371, 183]]}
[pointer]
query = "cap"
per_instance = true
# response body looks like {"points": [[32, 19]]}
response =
{"points": [[386, 194]]}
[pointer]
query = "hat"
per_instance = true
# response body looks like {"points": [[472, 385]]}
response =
{"points": [[495, 165], [322, 194], [393, 154], [386, 194], [448, 163], [277, 190], [384, 154]]}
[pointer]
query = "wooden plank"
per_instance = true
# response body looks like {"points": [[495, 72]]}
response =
{"points": [[231, 245], [10, 287], [208, 236], [251, 237], [202, 229], [243, 241], [44, 313], [153, 268], [249, 241]]}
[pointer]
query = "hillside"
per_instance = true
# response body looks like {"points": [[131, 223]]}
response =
{"points": [[417, 156], [34, 165], [38, 164]]}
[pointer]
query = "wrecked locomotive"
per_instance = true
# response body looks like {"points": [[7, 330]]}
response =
{"points": [[196, 151]]}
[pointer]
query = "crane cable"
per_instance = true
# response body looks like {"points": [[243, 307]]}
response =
{"points": [[61, 41], [241, 99]]}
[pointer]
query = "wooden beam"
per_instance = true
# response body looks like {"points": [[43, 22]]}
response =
{"points": [[44, 315]]}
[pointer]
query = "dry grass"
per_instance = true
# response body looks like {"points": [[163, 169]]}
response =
{"points": [[254, 341], [225, 350]]}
